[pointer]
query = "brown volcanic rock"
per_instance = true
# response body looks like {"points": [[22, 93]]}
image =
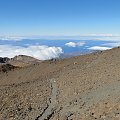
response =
{"points": [[23, 58], [79, 88], [22, 61], [19, 61], [6, 67]]}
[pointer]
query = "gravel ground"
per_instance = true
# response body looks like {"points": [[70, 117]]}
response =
{"points": [[79, 88]]}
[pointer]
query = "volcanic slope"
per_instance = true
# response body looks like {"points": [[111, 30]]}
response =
{"points": [[86, 87]]}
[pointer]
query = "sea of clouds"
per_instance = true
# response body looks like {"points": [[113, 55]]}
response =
{"points": [[12, 46], [40, 52]]}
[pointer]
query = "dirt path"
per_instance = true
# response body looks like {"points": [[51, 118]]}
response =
{"points": [[51, 103]]}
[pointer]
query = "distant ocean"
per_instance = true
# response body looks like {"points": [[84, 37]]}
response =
{"points": [[69, 47]]}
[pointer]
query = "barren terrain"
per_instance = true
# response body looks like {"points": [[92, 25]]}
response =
{"points": [[85, 87]]}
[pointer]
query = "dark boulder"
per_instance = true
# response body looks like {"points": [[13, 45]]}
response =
{"points": [[4, 60]]}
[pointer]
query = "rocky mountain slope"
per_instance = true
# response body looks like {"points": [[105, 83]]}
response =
{"points": [[86, 87], [19, 61], [6, 67]]}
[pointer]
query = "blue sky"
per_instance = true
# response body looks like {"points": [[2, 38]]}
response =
{"points": [[59, 17], [46, 29]]}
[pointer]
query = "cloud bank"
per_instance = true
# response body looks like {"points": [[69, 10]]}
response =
{"points": [[112, 44], [12, 38], [103, 37], [74, 44], [99, 48], [39, 52], [71, 44]]}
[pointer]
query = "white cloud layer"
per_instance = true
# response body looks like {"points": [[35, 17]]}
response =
{"points": [[12, 38], [99, 48], [71, 44], [74, 44], [39, 52], [106, 37], [115, 44]]}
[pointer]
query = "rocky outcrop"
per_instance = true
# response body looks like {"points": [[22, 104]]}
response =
{"points": [[4, 59], [6, 67], [23, 58], [20, 60]]}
